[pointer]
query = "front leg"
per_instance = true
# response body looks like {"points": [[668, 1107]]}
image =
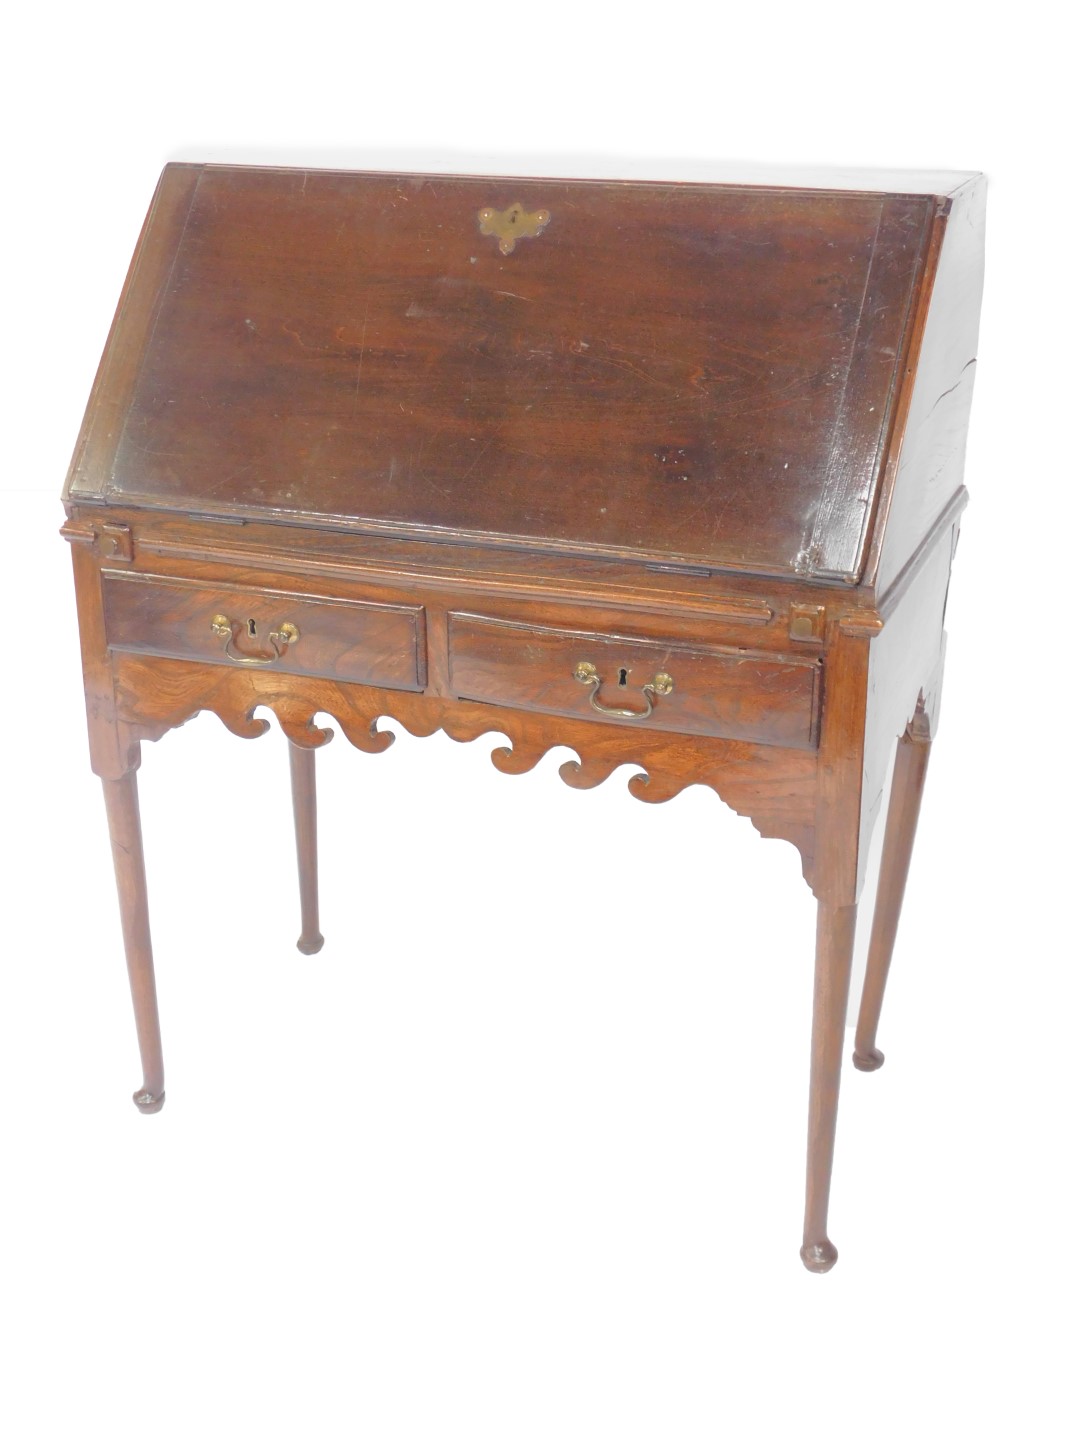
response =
{"points": [[125, 831], [832, 977]]}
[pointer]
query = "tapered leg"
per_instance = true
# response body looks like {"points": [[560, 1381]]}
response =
{"points": [[909, 776], [832, 977], [125, 831], [302, 768]]}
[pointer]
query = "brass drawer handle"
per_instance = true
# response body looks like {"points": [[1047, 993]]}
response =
{"points": [[285, 635], [661, 684]]}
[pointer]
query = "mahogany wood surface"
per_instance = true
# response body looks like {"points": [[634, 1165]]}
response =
{"points": [[740, 694], [357, 448], [410, 377], [125, 832], [372, 644], [909, 777], [775, 787], [832, 977], [936, 400]]}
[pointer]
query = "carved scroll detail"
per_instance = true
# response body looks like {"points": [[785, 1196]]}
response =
{"points": [[772, 787]]}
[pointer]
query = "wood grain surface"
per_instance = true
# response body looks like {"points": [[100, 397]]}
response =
{"points": [[738, 694], [348, 639], [353, 350]]}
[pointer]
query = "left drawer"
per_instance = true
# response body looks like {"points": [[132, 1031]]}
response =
{"points": [[363, 641]]}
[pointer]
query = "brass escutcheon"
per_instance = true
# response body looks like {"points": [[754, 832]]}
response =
{"points": [[512, 225], [661, 684], [285, 635]]}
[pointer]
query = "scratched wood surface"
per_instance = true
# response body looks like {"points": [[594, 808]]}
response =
{"points": [[697, 374]]}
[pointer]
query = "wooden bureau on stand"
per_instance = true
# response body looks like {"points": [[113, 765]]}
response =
{"points": [[667, 473]]}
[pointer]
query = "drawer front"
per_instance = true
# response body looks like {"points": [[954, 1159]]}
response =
{"points": [[370, 644], [692, 689]]}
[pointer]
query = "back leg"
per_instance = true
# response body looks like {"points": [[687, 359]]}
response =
{"points": [[909, 777]]}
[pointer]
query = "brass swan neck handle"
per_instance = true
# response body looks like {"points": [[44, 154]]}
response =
{"points": [[285, 635], [661, 684]]}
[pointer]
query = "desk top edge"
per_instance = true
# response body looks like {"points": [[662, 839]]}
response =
{"points": [[819, 179]]}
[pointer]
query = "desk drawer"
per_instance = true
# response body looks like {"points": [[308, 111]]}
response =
{"points": [[692, 689], [371, 644]]}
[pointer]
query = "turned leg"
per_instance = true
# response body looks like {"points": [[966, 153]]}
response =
{"points": [[125, 831], [909, 776], [832, 976], [302, 769]]}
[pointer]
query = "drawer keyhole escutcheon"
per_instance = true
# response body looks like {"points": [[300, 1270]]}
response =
{"points": [[225, 629], [511, 225], [586, 673]]}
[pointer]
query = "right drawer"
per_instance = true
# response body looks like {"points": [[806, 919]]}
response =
{"points": [[693, 689]]}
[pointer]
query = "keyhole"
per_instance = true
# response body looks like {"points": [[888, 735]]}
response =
{"points": [[622, 676], [251, 628]]}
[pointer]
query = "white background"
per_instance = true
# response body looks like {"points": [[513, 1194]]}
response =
{"points": [[520, 1153]]}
